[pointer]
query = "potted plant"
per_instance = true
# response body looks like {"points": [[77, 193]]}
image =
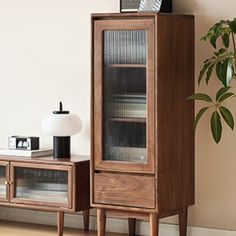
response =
{"points": [[221, 36]]}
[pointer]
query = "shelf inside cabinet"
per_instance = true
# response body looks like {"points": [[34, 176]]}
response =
{"points": [[127, 119], [127, 65]]}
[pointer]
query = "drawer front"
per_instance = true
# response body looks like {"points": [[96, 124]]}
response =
{"points": [[124, 190]]}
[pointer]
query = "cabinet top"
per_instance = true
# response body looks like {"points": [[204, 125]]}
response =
{"points": [[47, 159], [136, 14]]}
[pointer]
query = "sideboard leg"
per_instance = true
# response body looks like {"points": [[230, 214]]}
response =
{"points": [[60, 223], [132, 225], [183, 216], [154, 224], [86, 220], [101, 222]]}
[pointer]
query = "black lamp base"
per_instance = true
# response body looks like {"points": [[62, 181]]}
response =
{"points": [[61, 147]]}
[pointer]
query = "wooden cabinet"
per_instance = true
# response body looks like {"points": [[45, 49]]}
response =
{"points": [[45, 183], [142, 163]]}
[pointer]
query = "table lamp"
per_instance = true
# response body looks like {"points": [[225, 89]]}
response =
{"points": [[61, 125]]}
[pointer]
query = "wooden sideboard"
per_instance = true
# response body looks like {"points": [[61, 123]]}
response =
{"points": [[46, 184]]}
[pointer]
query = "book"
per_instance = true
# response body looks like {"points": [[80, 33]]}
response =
{"points": [[26, 153]]}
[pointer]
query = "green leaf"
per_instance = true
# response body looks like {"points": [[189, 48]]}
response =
{"points": [[220, 52], [200, 96], [218, 70], [226, 74], [221, 92], [232, 25], [214, 38], [228, 117], [225, 39], [209, 73], [199, 115], [207, 64], [225, 96], [216, 127]]}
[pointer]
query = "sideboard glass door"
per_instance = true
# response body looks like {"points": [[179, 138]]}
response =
{"points": [[38, 183], [125, 83], [4, 181]]}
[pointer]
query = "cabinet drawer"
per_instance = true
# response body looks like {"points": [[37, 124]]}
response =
{"points": [[124, 190]]}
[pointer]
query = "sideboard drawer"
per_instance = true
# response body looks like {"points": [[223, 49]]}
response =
{"points": [[124, 190]]}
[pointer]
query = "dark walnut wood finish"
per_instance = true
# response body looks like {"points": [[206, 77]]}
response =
{"points": [[78, 186], [165, 185]]}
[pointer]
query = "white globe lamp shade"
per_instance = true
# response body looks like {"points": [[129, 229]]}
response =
{"points": [[61, 125]]}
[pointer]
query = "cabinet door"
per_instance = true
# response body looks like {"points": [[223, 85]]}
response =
{"points": [[4, 180], [43, 185], [123, 95]]}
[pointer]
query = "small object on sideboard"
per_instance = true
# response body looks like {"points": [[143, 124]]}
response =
{"points": [[127, 6], [23, 142]]}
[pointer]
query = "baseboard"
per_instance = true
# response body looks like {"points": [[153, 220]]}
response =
{"points": [[113, 225]]}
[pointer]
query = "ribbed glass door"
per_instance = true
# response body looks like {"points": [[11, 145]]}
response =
{"points": [[125, 95], [40, 183], [3, 181]]}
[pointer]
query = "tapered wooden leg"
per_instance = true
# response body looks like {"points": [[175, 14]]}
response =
{"points": [[101, 222], [60, 223], [183, 222], [86, 220], [132, 224], [154, 224]]}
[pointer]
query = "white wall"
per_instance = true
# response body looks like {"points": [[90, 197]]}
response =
{"points": [[45, 58]]}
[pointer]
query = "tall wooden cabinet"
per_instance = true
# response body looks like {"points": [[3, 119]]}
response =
{"points": [[142, 123]]}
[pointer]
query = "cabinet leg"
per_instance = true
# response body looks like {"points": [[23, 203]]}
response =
{"points": [[60, 223], [154, 224], [86, 220], [101, 222], [183, 222], [132, 224]]}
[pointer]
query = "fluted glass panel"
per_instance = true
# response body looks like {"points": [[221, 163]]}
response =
{"points": [[125, 100], [42, 184], [3, 190]]}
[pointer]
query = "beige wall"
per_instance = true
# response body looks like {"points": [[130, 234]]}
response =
{"points": [[215, 164], [45, 57]]}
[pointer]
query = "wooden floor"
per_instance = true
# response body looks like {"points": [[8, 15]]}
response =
{"points": [[21, 229]]}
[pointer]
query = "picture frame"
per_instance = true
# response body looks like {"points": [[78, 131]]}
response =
{"points": [[127, 6]]}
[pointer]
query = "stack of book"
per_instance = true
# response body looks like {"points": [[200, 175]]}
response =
{"points": [[129, 105], [26, 153]]}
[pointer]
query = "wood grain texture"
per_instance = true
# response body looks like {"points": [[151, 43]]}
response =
{"points": [[126, 190], [175, 114], [78, 184], [132, 226], [170, 80], [82, 188], [183, 217], [154, 224], [101, 222], [60, 223], [86, 220]]}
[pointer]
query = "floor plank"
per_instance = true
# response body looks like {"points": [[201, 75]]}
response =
{"points": [[22, 229]]}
